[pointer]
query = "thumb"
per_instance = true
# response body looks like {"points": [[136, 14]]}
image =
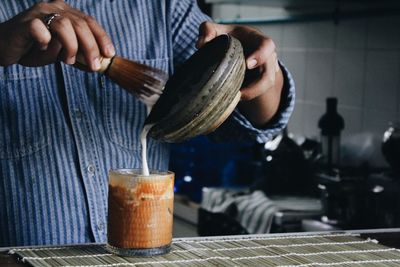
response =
{"points": [[208, 31]]}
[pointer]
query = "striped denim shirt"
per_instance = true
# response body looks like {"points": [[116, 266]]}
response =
{"points": [[62, 129]]}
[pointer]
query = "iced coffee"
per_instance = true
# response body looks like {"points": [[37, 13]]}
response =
{"points": [[140, 212]]}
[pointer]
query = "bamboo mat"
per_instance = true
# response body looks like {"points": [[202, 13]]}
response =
{"points": [[253, 250]]}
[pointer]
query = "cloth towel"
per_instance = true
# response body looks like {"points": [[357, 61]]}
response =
{"points": [[254, 210]]}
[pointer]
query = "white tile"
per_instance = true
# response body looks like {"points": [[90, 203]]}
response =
{"points": [[225, 11], [398, 104], [384, 32], [295, 61], [398, 94], [382, 80], [351, 33], [273, 31], [349, 77], [261, 12], [252, 11], [319, 76], [321, 35], [352, 120], [216, 12], [377, 122], [296, 122], [295, 35], [311, 115]]}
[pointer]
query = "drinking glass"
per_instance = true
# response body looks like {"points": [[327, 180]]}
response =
{"points": [[140, 212]]}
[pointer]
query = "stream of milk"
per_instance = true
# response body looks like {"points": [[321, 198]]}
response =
{"points": [[143, 141]]}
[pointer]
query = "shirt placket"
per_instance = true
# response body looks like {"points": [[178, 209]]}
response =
{"points": [[87, 146]]}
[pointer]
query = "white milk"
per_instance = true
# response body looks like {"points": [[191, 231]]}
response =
{"points": [[143, 141]]}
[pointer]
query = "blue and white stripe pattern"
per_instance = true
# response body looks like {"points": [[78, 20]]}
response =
{"points": [[62, 130]]}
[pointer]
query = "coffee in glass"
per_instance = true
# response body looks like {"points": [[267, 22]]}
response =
{"points": [[140, 212]]}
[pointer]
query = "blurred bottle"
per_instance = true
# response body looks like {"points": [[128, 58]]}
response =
{"points": [[331, 125]]}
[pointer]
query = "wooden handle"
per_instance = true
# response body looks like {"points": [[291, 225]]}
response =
{"points": [[104, 62]]}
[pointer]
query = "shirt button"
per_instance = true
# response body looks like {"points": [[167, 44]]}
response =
{"points": [[78, 114], [100, 226], [91, 169]]}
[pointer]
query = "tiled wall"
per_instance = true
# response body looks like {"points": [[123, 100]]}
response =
{"points": [[357, 61]]}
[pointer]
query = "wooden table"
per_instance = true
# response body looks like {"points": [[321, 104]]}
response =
{"points": [[388, 237]]}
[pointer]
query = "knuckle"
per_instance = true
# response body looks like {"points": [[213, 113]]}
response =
{"points": [[205, 25], [93, 49], [89, 19], [33, 24], [60, 4], [80, 24], [267, 43], [41, 6], [105, 40], [62, 22], [35, 28]]}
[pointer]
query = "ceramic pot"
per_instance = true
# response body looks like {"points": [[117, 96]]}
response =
{"points": [[201, 94]]}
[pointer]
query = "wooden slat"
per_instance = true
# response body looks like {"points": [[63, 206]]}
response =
{"points": [[261, 250]]}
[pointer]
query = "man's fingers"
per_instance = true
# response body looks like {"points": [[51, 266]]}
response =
{"points": [[37, 31], [103, 40], [74, 30], [86, 36], [258, 57], [87, 44], [264, 81], [62, 28]]}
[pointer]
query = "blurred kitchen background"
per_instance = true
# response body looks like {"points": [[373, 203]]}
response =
{"points": [[348, 51]]}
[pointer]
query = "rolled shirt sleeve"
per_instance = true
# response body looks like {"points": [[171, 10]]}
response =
{"points": [[186, 18]]}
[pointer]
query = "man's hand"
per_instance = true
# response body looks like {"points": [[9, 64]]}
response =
{"points": [[264, 80], [26, 40]]}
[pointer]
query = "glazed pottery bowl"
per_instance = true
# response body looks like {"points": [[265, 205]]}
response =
{"points": [[201, 94]]}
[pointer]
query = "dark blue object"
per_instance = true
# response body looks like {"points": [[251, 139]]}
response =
{"points": [[200, 162]]}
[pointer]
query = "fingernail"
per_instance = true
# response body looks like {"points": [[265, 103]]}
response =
{"points": [[110, 50], [251, 63], [71, 60], [43, 47], [96, 64]]}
